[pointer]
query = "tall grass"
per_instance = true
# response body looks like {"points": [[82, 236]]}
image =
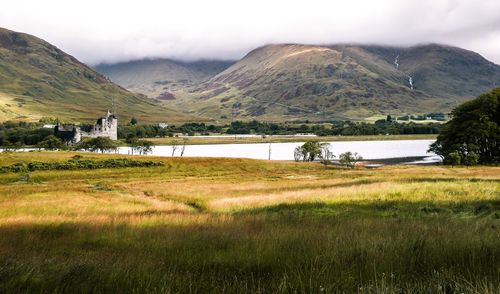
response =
{"points": [[234, 225]]}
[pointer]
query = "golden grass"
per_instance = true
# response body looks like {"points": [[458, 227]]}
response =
{"points": [[238, 225], [225, 185]]}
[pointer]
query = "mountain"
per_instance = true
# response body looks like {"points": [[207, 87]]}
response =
{"points": [[157, 78], [39, 80], [293, 81]]}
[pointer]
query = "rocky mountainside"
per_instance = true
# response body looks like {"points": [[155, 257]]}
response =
{"points": [[293, 81], [158, 78], [39, 80]]}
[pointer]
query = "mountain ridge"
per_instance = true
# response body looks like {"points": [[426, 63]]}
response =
{"points": [[274, 82], [155, 77], [39, 80]]}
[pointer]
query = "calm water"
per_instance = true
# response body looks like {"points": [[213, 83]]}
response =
{"points": [[284, 151]]}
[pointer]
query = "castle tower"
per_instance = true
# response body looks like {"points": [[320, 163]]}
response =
{"points": [[106, 126], [112, 121]]}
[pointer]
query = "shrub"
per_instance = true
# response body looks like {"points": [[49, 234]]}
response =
{"points": [[51, 143], [454, 158], [77, 162], [472, 158]]}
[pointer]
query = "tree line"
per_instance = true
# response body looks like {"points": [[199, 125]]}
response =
{"points": [[18, 134]]}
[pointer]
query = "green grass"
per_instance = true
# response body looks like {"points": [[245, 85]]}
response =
{"points": [[238, 225]]}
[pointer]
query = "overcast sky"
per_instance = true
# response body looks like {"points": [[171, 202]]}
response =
{"points": [[117, 30]]}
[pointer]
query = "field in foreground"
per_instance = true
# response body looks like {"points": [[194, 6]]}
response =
{"points": [[237, 225]]}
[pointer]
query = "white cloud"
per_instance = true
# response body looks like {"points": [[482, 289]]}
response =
{"points": [[113, 30]]}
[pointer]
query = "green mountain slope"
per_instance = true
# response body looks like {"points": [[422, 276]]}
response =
{"points": [[157, 78], [290, 81], [39, 80], [443, 71]]}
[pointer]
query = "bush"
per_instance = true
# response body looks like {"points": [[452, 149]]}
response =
{"points": [[471, 158], [454, 158], [51, 143], [78, 163]]}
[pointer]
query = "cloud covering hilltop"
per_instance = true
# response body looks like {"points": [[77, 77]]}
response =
{"points": [[110, 31]]}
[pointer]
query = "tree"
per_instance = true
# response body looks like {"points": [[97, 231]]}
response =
{"points": [[143, 147], [471, 158], [133, 121], [473, 132], [175, 145], [101, 144], [183, 148], [309, 151], [349, 159], [326, 155], [298, 153], [51, 143], [454, 158]]}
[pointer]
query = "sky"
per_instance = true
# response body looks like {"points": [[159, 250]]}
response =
{"points": [[96, 31]]}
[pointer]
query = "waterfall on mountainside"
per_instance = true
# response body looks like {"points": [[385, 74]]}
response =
{"points": [[396, 62], [410, 81], [410, 78]]}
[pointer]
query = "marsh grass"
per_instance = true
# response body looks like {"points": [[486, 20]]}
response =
{"points": [[236, 225]]}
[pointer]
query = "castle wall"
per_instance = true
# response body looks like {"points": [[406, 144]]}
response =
{"points": [[105, 127]]}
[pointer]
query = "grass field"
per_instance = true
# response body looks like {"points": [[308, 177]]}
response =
{"points": [[237, 225], [283, 139]]}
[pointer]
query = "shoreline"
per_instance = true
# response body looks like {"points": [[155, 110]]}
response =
{"points": [[205, 140]]}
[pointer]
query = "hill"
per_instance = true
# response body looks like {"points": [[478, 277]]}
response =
{"points": [[293, 81], [39, 80], [157, 78]]}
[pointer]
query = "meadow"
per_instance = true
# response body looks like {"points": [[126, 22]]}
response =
{"points": [[200, 225]]}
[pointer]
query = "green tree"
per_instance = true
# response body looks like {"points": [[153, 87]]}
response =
{"points": [[454, 158], [133, 121], [309, 151], [349, 159], [51, 143], [142, 147], [100, 144], [473, 129], [472, 158]]}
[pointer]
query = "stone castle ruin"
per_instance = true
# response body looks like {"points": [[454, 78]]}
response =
{"points": [[106, 126]]}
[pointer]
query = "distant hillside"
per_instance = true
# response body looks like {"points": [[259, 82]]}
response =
{"points": [[291, 81], [157, 78], [39, 80], [443, 71]]}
